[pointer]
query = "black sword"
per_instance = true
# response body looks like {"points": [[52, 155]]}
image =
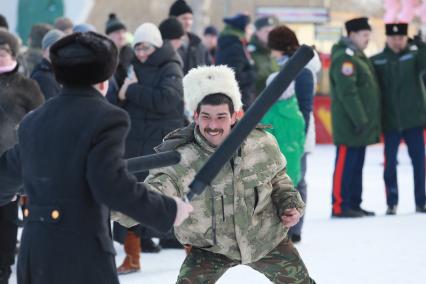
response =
{"points": [[148, 162]]}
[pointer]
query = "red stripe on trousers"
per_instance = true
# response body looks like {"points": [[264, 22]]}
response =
{"points": [[337, 180]]}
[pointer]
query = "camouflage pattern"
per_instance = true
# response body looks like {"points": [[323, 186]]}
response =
{"points": [[248, 198], [281, 265]]}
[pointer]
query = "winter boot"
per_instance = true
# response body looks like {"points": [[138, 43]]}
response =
{"points": [[391, 210], [421, 209], [132, 247]]}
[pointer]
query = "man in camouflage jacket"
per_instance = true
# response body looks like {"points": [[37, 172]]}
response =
{"points": [[251, 203]]}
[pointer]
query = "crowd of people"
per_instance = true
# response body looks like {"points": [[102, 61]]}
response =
{"points": [[77, 102]]}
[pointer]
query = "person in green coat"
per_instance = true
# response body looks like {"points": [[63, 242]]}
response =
{"points": [[264, 64], [355, 114], [400, 67]]}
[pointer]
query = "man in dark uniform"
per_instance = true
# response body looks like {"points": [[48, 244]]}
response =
{"points": [[399, 69], [70, 160], [355, 114]]}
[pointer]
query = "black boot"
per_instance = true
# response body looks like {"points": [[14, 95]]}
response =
{"points": [[365, 212], [421, 209], [149, 246], [170, 244], [295, 238], [391, 210]]}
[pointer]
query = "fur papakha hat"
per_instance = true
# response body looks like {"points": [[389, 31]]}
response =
{"points": [[207, 80], [83, 59]]}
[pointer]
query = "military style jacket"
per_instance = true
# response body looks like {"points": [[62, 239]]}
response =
{"points": [[355, 97], [245, 200], [400, 79]]}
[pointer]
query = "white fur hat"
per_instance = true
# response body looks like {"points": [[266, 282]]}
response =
{"points": [[206, 80], [149, 33]]}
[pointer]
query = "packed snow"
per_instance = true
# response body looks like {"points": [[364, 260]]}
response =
{"points": [[369, 250]]}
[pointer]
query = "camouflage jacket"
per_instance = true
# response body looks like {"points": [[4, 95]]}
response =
{"points": [[247, 197]]}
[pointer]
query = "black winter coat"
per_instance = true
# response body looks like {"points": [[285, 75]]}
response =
{"points": [[70, 159], [18, 96], [195, 54], [231, 52], [155, 103], [44, 76]]}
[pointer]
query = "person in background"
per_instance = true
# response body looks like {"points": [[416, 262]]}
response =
{"points": [[210, 37], [43, 72], [264, 64], [82, 28], [399, 68], [355, 116], [153, 98], [18, 96], [3, 22], [34, 54], [64, 24], [171, 30], [232, 51], [192, 51]]}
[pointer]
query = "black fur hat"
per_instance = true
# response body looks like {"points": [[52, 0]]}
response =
{"points": [[82, 59]]}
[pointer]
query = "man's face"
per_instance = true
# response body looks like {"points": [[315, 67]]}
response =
{"points": [[360, 38], [176, 43], [397, 42], [143, 51], [210, 41], [263, 33], [6, 58], [215, 122], [186, 20], [118, 37]]}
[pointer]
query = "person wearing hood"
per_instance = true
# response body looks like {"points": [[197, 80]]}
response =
{"points": [[355, 116], [43, 72], [400, 67], [18, 96], [153, 97], [232, 51], [192, 51], [258, 47]]}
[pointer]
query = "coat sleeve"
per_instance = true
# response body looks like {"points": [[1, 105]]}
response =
{"points": [[113, 186], [304, 87], [421, 56], [10, 175], [160, 98], [347, 91]]}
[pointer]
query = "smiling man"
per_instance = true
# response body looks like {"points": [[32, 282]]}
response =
{"points": [[243, 218]]}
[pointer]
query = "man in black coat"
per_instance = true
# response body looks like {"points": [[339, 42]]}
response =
{"points": [[43, 72], [18, 96], [192, 51], [70, 160], [232, 51]]}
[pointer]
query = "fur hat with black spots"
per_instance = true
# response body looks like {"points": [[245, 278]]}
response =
{"points": [[207, 80], [83, 59]]}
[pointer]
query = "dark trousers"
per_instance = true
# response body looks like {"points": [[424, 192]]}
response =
{"points": [[8, 232], [347, 178], [302, 188], [415, 143]]}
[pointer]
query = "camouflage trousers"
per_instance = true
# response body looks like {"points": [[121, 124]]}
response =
{"points": [[282, 265]]}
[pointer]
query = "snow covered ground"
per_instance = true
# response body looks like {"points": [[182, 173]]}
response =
{"points": [[375, 250]]}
